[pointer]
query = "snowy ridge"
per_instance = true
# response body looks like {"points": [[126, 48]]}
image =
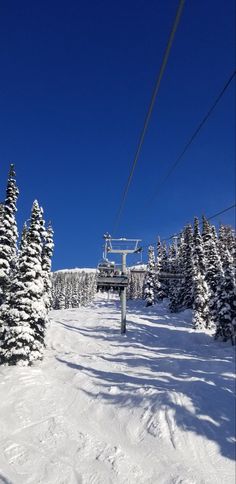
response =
{"points": [[153, 407], [77, 269], [137, 267]]}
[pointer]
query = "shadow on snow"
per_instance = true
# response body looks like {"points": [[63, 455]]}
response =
{"points": [[194, 381]]}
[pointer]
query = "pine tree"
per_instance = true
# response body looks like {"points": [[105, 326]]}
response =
{"points": [[164, 267], [226, 302], [23, 316], [198, 249], [200, 298], [47, 252], [187, 283], [160, 287], [200, 288], [227, 241], [8, 235], [131, 287], [214, 270], [23, 239], [173, 284], [150, 278]]}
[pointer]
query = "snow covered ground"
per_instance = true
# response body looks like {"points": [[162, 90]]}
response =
{"points": [[155, 406]]}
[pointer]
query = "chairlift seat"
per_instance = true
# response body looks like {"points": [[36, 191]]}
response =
{"points": [[120, 281]]}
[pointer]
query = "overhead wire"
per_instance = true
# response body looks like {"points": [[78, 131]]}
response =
{"points": [[150, 109], [194, 135], [179, 233]]}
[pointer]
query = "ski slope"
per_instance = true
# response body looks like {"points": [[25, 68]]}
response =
{"points": [[153, 407]]}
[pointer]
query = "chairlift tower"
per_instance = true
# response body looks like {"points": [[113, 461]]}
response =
{"points": [[123, 247]]}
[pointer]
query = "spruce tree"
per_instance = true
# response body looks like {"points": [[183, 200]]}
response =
{"points": [[200, 288], [226, 302], [23, 315], [198, 249], [47, 252], [200, 298], [175, 293], [214, 269], [23, 239], [173, 284], [164, 267], [187, 282], [150, 278], [160, 287], [227, 241], [157, 283], [8, 234]]}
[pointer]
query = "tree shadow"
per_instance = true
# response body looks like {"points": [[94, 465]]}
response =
{"points": [[212, 400], [4, 480], [192, 377]]}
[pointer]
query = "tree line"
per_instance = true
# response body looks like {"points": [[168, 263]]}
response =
{"points": [[206, 261], [73, 289], [25, 280]]}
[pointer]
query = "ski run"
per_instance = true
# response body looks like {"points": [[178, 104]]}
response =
{"points": [[155, 406]]}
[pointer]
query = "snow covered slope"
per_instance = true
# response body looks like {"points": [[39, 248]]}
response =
{"points": [[77, 269], [153, 407]]}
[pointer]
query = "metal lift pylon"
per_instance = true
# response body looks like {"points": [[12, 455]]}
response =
{"points": [[123, 247]]}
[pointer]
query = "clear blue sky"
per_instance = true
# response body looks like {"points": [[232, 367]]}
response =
{"points": [[76, 79]]}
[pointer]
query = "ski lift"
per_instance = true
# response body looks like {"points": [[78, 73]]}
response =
{"points": [[106, 268], [109, 276], [119, 279]]}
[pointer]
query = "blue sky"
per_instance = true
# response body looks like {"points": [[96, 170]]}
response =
{"points": [[76, 80]]}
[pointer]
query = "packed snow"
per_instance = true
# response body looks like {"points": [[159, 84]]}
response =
{"points": [[155, 406]]}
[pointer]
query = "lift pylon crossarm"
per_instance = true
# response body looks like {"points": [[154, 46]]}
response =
{"points": [[113, 282]]}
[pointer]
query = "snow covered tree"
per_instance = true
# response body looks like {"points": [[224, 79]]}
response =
{"points": [[198, 249], [160, 287], [23, 316], [226, 302], [164, 267], [172, 255], [47, 252], [227, 241], [73, 289], [200, 288], [8, 234], [200, 298], [23, 239], [176, 265], [150, 278], [131, 289], [136, 284], [1, 212], [214, 270], [186, 295], [174, 283]]}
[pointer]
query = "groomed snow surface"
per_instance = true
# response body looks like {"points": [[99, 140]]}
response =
{"points": [[155, 406]]}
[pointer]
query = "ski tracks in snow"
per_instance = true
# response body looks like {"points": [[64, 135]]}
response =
{"points": [[104, 408]]}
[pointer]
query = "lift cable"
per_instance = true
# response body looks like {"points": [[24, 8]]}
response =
{"points": [[194, 135], [179, 233], [150, 109]]}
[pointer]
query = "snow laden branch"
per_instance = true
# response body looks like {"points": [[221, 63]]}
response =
{"points": [[25, 283], [206, 260]]}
